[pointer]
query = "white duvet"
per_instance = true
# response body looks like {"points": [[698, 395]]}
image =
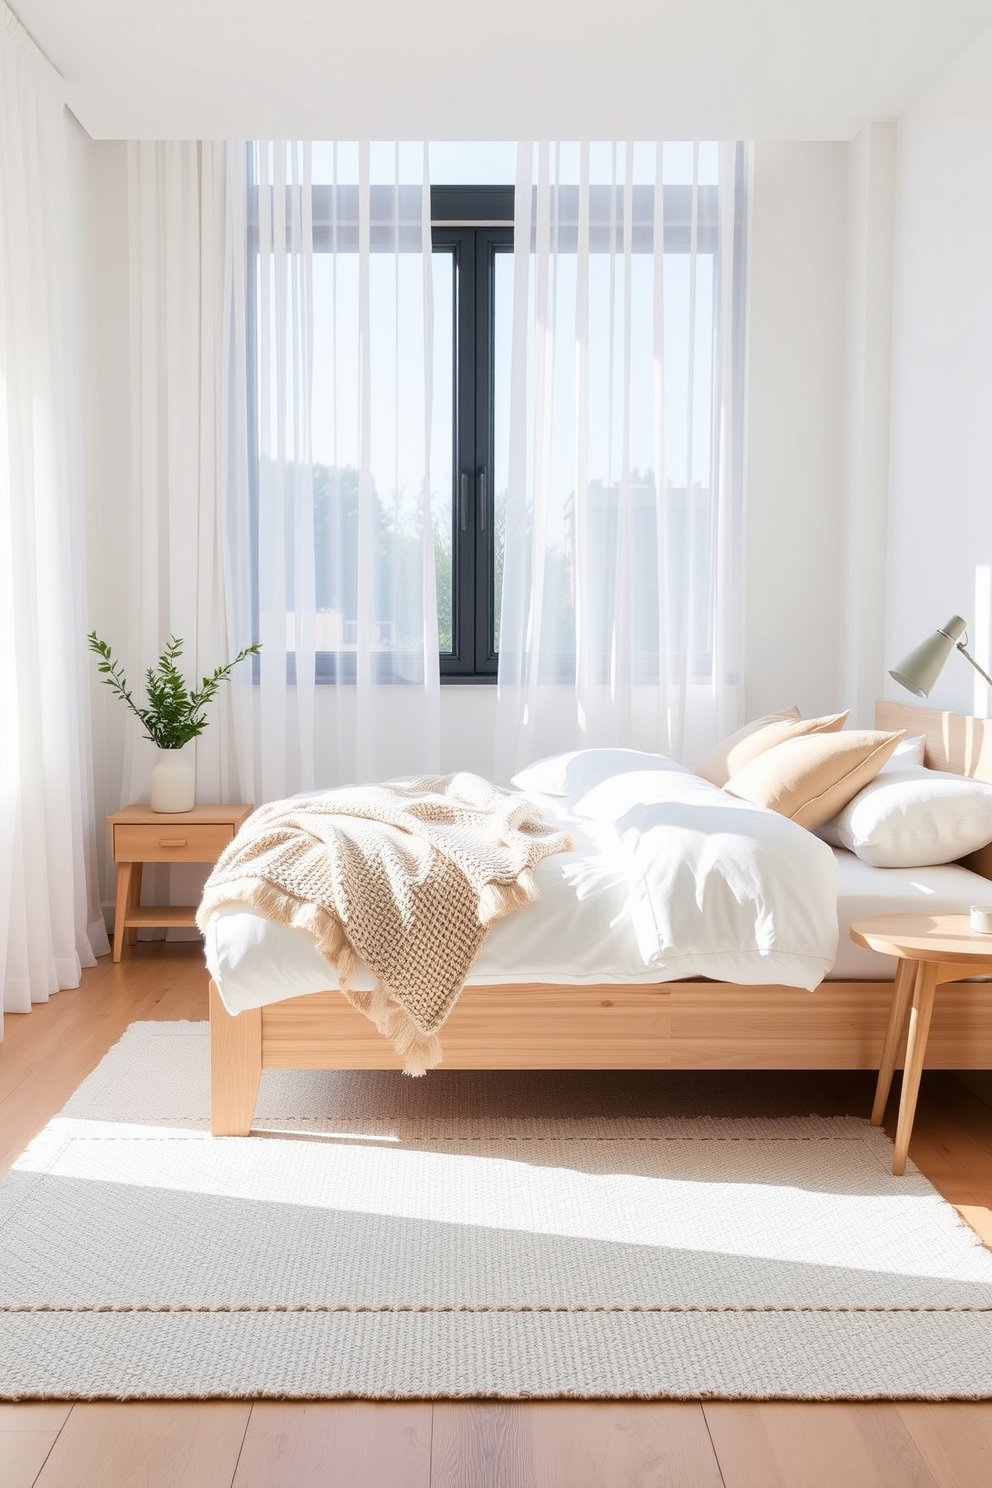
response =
{"points": [[718, 887], [669, 877]]}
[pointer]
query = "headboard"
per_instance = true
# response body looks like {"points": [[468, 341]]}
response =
{"points": [[955, 742]]}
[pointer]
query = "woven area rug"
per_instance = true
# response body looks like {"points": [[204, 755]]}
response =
{"points": [[501, 1235]]}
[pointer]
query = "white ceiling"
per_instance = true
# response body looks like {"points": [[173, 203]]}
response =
{"points": [[512, 69]]}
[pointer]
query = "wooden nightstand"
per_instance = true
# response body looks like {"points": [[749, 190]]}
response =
{"points": [[931, 949], [139, 835]]}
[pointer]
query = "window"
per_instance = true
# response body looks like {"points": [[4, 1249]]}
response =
{"points": [[319, 516]]}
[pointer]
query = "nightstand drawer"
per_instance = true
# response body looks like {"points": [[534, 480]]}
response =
{"points": [[196, 842]]}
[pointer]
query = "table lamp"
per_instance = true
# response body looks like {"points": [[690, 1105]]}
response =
{"points": [[920, 669]]}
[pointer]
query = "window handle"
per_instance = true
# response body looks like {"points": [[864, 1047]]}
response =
{"points": [[482, 499], [463, 502]]}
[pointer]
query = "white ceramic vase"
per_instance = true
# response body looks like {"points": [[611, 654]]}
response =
{"points": [[173, 783]]}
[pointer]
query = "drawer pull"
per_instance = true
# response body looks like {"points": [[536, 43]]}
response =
{"points": [[172, 842]]}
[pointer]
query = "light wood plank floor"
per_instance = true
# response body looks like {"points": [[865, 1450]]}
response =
{"points": [[223, 1444]]}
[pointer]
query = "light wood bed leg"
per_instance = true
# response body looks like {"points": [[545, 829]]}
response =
{"points": [[235, 1067]]}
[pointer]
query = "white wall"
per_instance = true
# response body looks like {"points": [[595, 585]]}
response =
{"points": [[795, 467], [940, 505], [870, 253], [940, 524]]}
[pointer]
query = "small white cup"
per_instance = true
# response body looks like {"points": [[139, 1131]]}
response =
{"points": [[981, 918]]}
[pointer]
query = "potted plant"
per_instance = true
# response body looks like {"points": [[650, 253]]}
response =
{"points": [[172, 717]]}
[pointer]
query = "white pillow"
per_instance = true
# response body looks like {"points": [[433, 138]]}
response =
{"points": [[580, 770], [910, 817], [908, 752]]}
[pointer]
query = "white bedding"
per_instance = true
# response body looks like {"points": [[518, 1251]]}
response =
{"points": [[864, 890], [669, 877]]}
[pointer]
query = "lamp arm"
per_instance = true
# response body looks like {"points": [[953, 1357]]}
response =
{"points": [[966, 653]]}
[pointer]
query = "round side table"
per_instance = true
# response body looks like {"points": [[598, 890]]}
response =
{"points": [[931, 949]]}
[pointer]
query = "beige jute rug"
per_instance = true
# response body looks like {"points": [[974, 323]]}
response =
{"points": [[500, 1235]]}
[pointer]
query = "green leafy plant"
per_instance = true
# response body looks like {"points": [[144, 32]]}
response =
{"points": [[174, 714]]}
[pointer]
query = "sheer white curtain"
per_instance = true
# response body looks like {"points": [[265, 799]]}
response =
{"points": [[182, 264], [622, 576], [49, 923], [329, 522], [282, 427]]}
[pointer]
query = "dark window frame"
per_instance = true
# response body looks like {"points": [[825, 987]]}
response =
{"points": [[474, 224]]}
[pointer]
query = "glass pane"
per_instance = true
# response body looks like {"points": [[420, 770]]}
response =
{"points": [[393, 491], [443, 441], [337, 162], [473, 163], [689, 435], [678, 163], [336, 450], [502, 334], [396, 432]]}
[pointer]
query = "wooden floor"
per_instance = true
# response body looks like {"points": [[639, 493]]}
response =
{"points": [[217, 1444]]}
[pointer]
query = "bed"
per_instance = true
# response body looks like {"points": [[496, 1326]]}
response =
{"points": [[692, 1023]]}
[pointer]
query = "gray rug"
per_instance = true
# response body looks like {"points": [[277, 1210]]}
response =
{"points": [[503, 1235]]}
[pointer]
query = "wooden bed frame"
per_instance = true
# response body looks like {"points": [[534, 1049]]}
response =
{"points": [[670, 1025]]}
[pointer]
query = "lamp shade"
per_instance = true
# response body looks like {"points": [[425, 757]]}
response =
{"points": [[920, 669]]}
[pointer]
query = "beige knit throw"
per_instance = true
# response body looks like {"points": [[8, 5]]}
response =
{"points": [[408, 876]]}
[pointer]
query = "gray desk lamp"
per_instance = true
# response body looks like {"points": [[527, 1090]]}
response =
{"points": [[920, 669]]}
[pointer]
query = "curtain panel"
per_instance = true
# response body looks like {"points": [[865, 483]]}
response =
{"points": [[282, 360], [50, 925], [332, 555], [181, 300], [622, 581]]}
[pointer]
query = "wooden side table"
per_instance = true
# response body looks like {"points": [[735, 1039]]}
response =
{"points": [[931, 949], [139, 835]]}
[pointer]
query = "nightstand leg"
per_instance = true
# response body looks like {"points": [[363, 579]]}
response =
{"points": [[916, 1048], [134, 899], [902, 991], [120, 909]]}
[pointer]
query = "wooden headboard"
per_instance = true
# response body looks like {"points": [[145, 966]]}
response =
{"points": [[955, 742]]}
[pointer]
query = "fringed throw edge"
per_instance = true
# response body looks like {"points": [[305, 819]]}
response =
{"points": [[418, 1047]]}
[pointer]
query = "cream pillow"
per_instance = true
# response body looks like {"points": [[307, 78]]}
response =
{"points": [[739, 749], [810, 779]]}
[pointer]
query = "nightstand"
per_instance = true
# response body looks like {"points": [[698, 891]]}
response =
{"points": [[139, 835], [931, 949]]}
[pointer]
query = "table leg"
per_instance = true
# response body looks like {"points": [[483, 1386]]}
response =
{"points": [[120, 909], [902, 991], [916, 1048]]}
